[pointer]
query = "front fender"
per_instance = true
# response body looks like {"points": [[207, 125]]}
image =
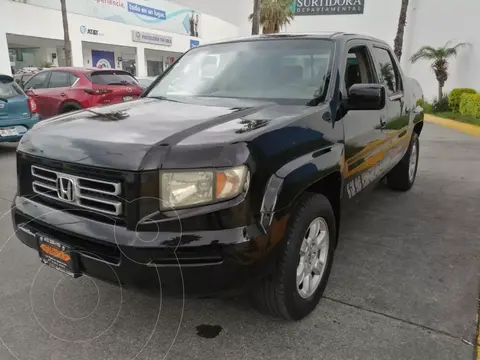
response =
{"points": [[295, 177]]}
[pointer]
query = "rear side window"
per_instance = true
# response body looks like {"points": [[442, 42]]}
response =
{"points": [[73, 79], [389, 73], [39, 81], [112, 78], [9, 88], [59, 79]]}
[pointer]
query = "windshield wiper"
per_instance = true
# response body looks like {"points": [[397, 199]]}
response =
{"points": [[3, 99]]}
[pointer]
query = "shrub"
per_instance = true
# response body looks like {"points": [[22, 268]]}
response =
{"points": [[427, 107], [470, 105], [455, 97], [441, 105]]}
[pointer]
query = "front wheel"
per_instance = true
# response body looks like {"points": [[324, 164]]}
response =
{"points": [[402, 176], [296, 284]]}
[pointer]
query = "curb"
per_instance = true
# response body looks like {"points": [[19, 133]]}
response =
{"points": [[455, 125]]}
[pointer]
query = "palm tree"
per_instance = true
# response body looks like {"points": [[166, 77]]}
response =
{"points": [[439, 58], [256, 17], [274, 14], [402, 21], [66, 35]]}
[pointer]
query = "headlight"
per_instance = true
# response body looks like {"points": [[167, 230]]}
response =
{"points": [[188, 188]]}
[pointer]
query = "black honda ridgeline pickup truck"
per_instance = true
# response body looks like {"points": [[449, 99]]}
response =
{"points": [[230, 172]]}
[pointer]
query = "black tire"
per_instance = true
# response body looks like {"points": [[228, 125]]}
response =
{"points": [[277, 295], [69, 108], [399, 178]]}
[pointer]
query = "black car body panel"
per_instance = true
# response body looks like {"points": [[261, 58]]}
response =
{"points": [[288, 149]]}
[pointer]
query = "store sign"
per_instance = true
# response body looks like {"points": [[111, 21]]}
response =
{"points": [[163, 15], [143, 37], [103, 59], [88, 31], [194, 43], [147, 11], [328, 7]]}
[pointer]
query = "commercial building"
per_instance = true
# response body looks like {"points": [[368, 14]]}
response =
{"points": [[142, 36], [150, 34]]}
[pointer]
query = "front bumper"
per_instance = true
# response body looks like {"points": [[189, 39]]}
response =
{"points": [[202, 262]]}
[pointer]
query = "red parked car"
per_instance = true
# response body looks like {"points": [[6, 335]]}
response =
{"points": [[61, 90]]}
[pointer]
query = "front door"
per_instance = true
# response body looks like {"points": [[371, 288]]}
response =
{"points": [[397, 120], [364, 135]]}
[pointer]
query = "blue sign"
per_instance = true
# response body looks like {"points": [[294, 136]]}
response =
{"points": [[161, 15], [194, 43], [103, 59], [146, 11]]}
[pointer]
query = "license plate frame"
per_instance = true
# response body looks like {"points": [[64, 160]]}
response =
{"points": [[128, 98], [11, 131], [57, 255]]}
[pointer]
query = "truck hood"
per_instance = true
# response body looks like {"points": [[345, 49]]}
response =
{"points": [[138, 135]]}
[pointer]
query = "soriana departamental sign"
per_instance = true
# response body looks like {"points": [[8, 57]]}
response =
{"points": [[328, 7]]}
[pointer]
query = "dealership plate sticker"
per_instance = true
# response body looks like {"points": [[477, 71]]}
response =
{"points": [[58, 256]]}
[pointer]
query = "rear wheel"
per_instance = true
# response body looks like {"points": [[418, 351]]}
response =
{"points": [[296, 284], [402, 176], [69, 107]]}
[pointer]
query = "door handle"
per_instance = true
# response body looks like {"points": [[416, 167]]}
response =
{"points": [[63, 94]]}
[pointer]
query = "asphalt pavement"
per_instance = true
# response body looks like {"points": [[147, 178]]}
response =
{"points": [[404, 285]]}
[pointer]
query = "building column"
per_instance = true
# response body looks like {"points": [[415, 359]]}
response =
{"points": [[77, 53], [5, 67], [141, 62]]}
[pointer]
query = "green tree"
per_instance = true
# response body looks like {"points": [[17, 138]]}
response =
{"points": [[439, 58], [402, 21], [274, 14], [66, 35]]}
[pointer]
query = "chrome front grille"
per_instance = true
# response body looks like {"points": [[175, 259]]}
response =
{"points": [[92, 194]]}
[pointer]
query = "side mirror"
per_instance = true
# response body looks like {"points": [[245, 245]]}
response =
{"points": [[366, 97]]}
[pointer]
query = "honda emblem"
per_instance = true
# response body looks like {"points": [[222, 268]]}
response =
{"points": [[66, 189]]}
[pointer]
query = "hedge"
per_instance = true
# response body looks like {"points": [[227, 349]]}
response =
{"points": [[455, 97], [470, 105]]}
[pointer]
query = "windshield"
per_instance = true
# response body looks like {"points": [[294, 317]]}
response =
{"points": [[290, 71]]}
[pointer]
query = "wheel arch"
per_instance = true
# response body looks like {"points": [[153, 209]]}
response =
{"points": [[418, 127], [69, 105], [319, 172]]}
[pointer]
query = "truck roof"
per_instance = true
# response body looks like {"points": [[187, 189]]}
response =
{"points": [[337, 35]]}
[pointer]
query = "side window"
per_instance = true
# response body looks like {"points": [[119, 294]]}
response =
{"points": [[389, 73], [72, 79], [359, 69], [59, 79], [39, 81]]}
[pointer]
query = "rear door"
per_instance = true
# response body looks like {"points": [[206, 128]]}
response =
{"points": [[397, 115], [13, 101], [36, 87], [364, 137], [117, 85], [59, 87]]}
